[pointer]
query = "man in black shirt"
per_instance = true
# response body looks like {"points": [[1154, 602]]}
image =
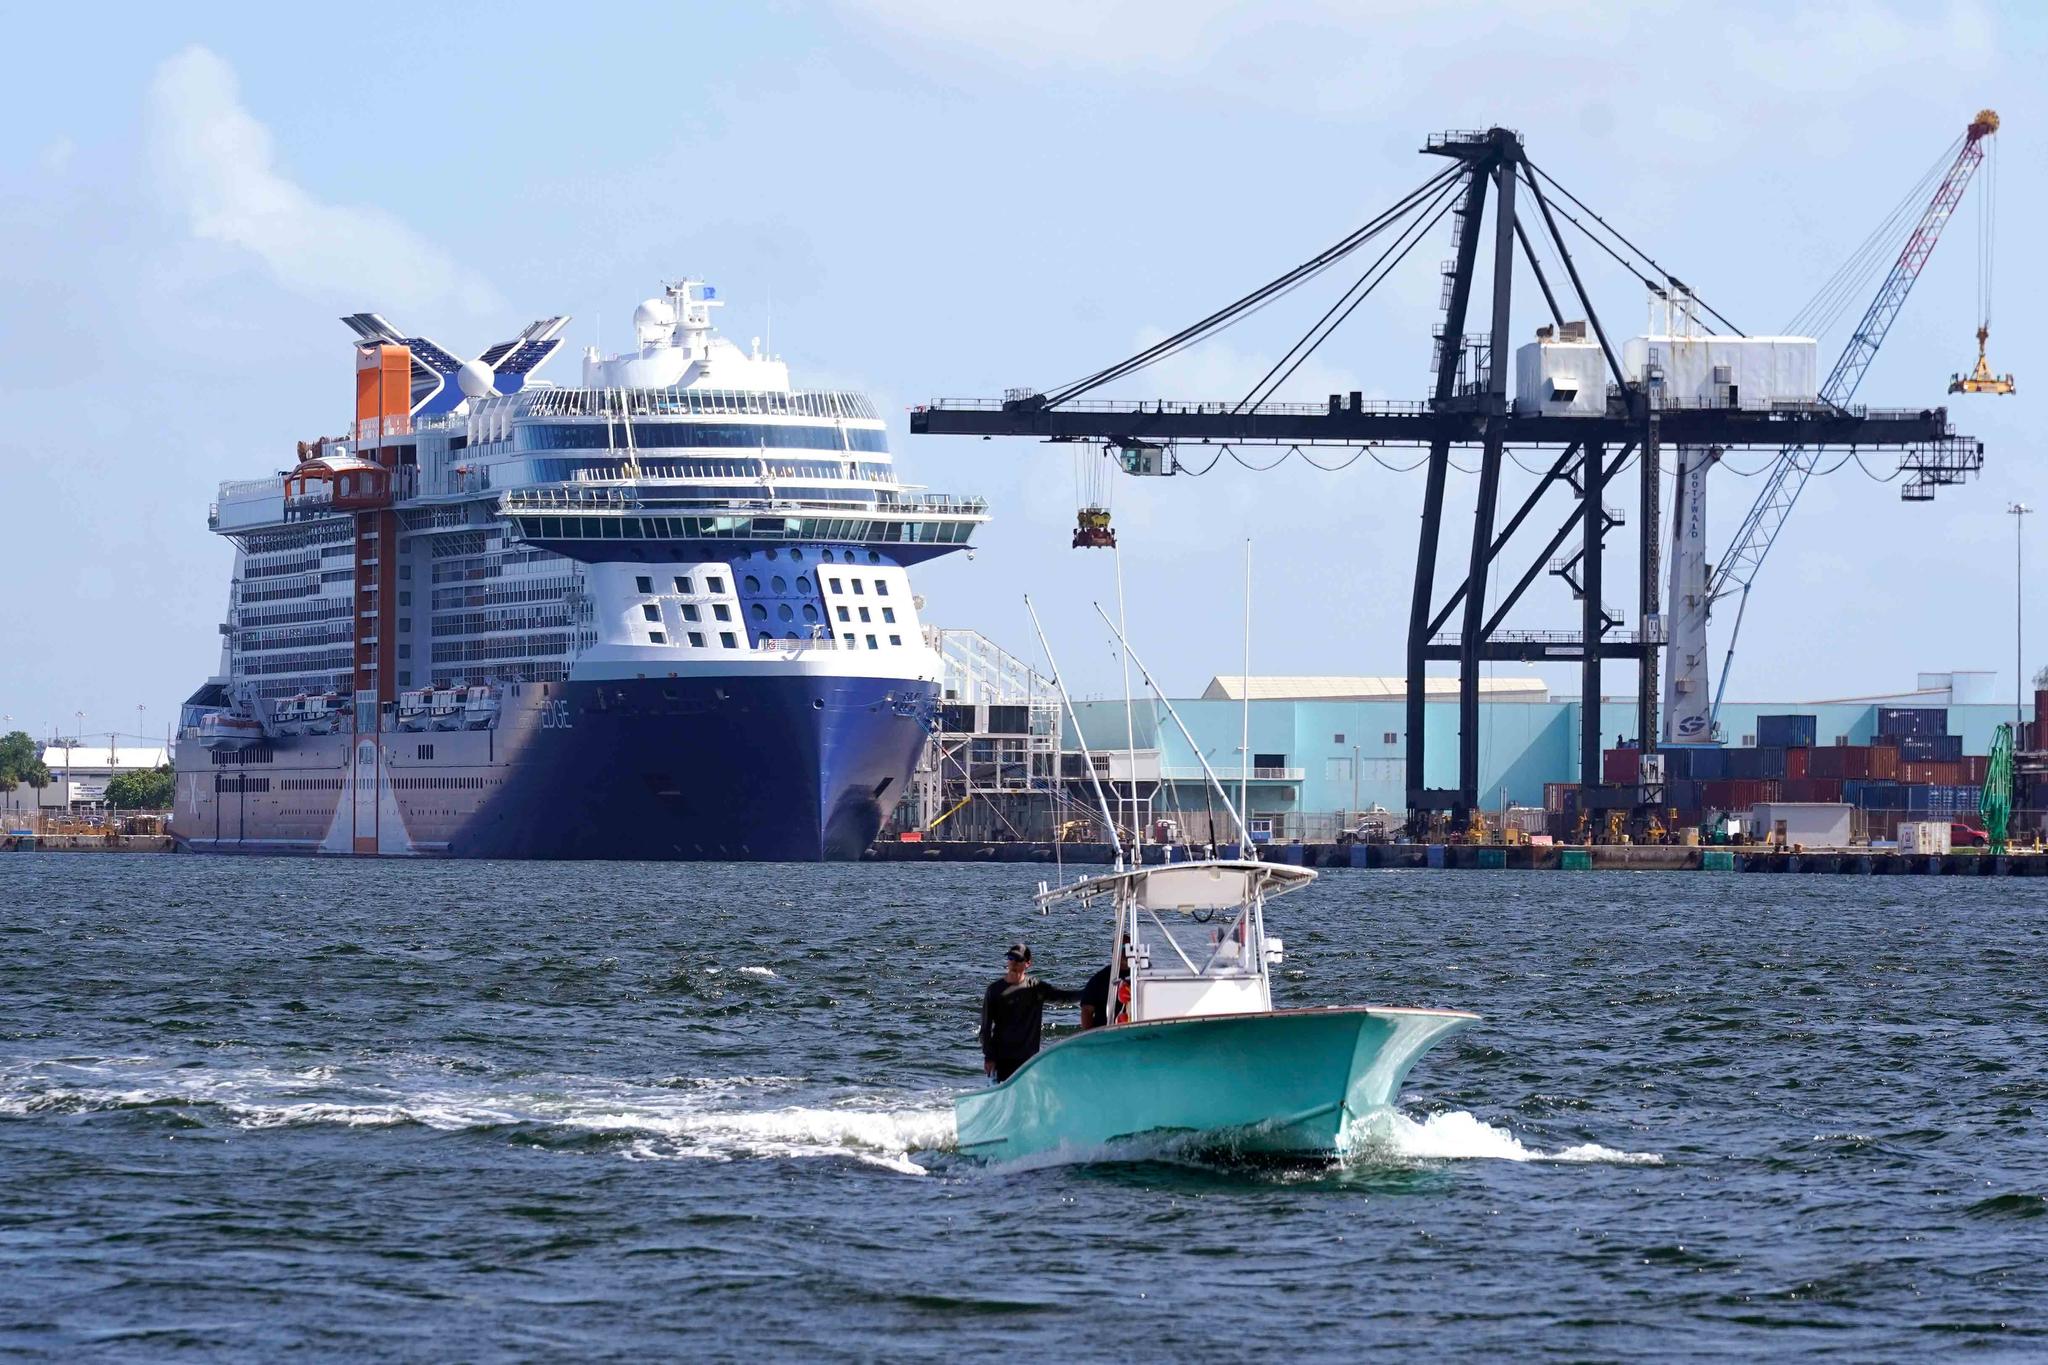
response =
{"points": [[1012, 1013]]}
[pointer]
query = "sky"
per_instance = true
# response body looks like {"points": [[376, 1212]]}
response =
{"points": [[931, 200]]}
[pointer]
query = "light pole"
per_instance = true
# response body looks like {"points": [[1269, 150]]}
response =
{"points": [[2019, 512]]}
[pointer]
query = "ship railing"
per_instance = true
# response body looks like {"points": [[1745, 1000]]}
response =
{"points": [[677, 401], [1164, 407]]}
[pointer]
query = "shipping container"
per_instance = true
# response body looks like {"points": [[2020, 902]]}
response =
{"points": [[1622, 767], [1707, 764], [1738, 794], [1976, 768], [1930, 748], [1911, 720], [1798, 762], [1784, 732], [1883, 762], [1947, 774], [1813, 789]]}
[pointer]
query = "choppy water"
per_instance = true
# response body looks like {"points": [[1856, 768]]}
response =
{"points": [[463, 1110]]}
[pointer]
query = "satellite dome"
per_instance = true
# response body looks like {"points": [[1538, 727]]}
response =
{"points": [[652, 318], [475, 379]]}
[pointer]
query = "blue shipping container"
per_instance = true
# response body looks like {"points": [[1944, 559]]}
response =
{"points": [[1893, 721], [1787, 732], [1709, 765], [1930, 748]]}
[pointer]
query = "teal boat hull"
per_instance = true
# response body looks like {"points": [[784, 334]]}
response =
{"points": [[1281, 1085]]}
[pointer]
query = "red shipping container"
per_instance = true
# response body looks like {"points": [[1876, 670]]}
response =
{"points": [[1622, 767], [1797, 763], [1945, 774], [1825, 789], [1976, 768], [1827, 762], [1739, 793], [1884, 763]]}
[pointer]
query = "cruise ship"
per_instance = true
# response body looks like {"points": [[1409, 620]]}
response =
{"points": [[666, 613]]}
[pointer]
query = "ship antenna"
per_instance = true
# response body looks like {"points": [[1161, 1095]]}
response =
{"points": [[1244, 835], [1130, 723], [1116, 845]]}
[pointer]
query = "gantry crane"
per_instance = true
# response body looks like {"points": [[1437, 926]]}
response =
{"points": [[1468, 406]]}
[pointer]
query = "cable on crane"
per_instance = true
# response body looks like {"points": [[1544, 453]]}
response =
{"points": [[1650, 260], [1820, 312], [1402, 245], [1235, 312]]}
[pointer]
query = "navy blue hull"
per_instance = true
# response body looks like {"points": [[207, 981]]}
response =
{"points": [[780, 770], [785, 769]]}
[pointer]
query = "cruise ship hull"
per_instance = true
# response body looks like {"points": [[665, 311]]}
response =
{"points": [[797, 768]]}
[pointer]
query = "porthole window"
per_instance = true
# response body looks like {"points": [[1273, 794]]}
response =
{"points": [[772, 554], [782, 610], [803, 583], [874, 558], [760, 612], [753, 583], [779, 583], [797, 555]]}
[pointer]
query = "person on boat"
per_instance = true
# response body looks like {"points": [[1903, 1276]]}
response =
{"points": [[1095, 995], [1013, 1013]]}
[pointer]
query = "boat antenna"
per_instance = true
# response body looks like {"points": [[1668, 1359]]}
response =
{"points": [[1116, 845], [1244, 683], [1243, 834], [1130, 722]]}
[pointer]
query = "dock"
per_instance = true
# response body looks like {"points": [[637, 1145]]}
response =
{"points": [[1519, 857]]}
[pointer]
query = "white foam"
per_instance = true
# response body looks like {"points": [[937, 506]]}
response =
{"points": [[755, 971], [1458, 1136], [691, 1116]]}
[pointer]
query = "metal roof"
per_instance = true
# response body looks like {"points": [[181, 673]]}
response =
{"points": [[60, 757], [1232, 687]]}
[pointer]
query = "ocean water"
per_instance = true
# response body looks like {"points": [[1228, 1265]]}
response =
{"points": [[406, 1111]]}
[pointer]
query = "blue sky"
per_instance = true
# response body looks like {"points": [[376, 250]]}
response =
{"points": [[947, 200]]}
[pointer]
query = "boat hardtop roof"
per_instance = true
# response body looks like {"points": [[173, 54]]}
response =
{"points": [[1204, 884]]}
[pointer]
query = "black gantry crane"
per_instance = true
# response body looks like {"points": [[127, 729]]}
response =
{"points": [[1469, 406]]}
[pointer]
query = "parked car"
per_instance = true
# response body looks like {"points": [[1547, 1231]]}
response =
{"points": [[1962, 835]]}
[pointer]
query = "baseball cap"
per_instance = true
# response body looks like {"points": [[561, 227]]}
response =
{"points": [[1018, 952]]}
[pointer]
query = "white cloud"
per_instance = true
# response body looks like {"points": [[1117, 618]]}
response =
{"points": [[216, 165]]}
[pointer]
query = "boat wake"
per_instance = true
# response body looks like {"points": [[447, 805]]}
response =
{"points": [[1390, 1136], [718, 1118]]}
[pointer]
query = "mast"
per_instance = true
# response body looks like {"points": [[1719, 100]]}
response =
{"points": [[1116, 845], [1244, 745]]}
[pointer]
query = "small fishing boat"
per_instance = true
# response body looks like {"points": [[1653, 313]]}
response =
{"points": [[1194, 1049]]}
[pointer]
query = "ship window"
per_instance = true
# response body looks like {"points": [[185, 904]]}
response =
{"points": [[690, 611], [864, 614], [836, 587], [871, 643], [881, 588], [845, 615], [858, 590], [697, 639], [783, 613], [779, 583], [683, 585], [760, 612], [644, 584], [803, 584], [889, 615], [649, 610], [753, 583], [725, 637], [655, 637], [874, 558], [714, 583], [797, 554], [721, 611], [895, 639]]}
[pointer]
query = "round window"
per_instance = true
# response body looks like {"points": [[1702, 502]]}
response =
{"points": [[797, 555], [803, 583], [874, 558], [780, 583], [760, 612], [782, 610], [753, 583], [810, 612]]}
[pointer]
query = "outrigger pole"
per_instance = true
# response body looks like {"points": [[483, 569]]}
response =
{"points": [[1116, 845], [1244, 836]]}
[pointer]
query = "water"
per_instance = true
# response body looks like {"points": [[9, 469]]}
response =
{"points": [[459, 1110]]}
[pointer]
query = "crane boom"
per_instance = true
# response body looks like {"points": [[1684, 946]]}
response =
{"points": [[1759, 530]]}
